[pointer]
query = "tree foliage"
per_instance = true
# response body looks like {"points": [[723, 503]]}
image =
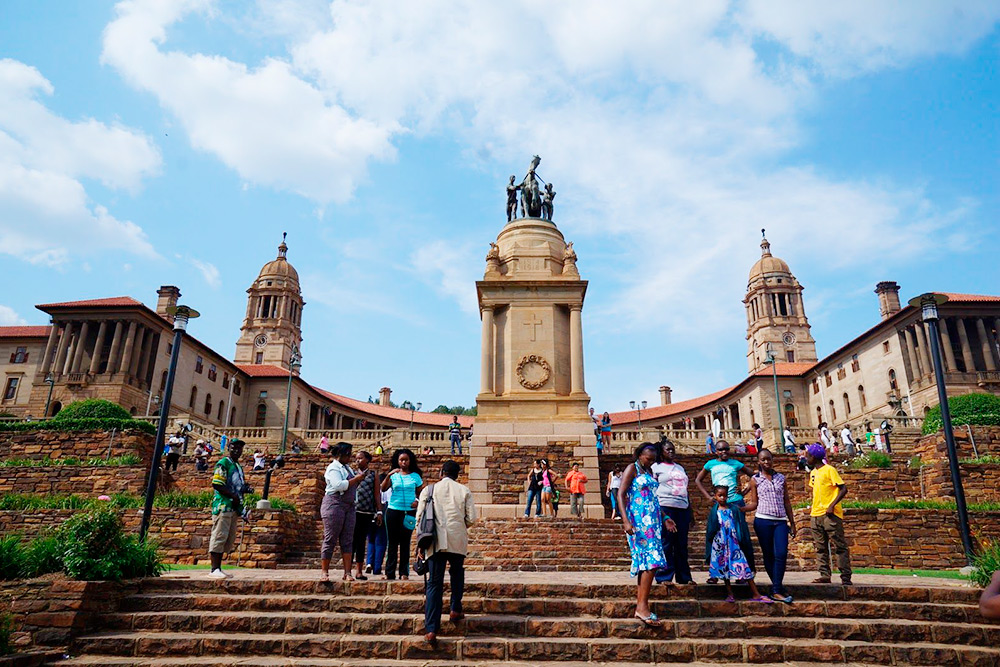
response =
{"points": [[976, 409]]}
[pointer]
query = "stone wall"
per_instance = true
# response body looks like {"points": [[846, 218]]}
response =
{"points": [[932, 448], [509, 466], [82, 445], [981, 482], [908, 539], [80, 480]]}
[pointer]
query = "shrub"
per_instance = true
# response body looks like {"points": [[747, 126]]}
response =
{"points": [[986, 561], [97, 461], [11, 557], [43, 555], [985, 459], [88, 424], [975, 409], [871, 460], [92, 408], [95, 547], [6, 630]]}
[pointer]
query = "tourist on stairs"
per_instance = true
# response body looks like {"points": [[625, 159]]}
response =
{"points": [[641, 520], [534, 490], [827, 515], [675, 511], [338, 510], [727, 542], [614, 483], [378, 539], [773, 522], [368, 509], [229, 485], [548, 488], [401, 516], [605, 431], [576, 482], [725, 471], [454, 512]]}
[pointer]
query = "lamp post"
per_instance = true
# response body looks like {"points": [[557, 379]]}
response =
{"points": [[773, 360], [51, 381], [413, 410], [151, 400], [181, 315], [294, 364], [928, 304], [642, 404]]}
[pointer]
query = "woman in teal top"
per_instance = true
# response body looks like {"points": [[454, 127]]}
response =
{"points": [[401, 514], [726, 472]]}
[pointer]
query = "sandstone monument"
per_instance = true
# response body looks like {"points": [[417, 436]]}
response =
{"points": [[532, 400]]}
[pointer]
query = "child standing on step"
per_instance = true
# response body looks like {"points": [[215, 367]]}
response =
{"points": [[723, 551]]}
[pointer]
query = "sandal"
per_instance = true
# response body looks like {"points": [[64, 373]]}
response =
{"points": [[762, 598], [711, 580], [729, 598], [777, 597], [821, 580], [650, 621], [360, 577], [325, 577], [347, 577]]}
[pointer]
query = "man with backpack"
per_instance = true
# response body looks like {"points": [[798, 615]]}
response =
{"points": [[454, 511]]}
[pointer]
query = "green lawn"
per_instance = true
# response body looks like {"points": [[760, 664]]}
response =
{"points": [[938, 574]]}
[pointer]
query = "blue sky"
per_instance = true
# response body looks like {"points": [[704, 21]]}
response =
{"points": [[150, 142]]}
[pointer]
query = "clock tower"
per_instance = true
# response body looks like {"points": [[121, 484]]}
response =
{"points": [[776, 316], [273, 323]]}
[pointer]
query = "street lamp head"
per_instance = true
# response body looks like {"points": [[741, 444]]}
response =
{"points": [[49, 378], [419, 405], [631, 404], [181, 315], [928, 304], [644, 404]]}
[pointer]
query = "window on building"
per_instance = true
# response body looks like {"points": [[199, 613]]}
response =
{"points": [[237, 387], [208, 404], [782, 305], [194, 397], [855, 363], [892, 380], [163, 382], [262, 394], [218, 416], [847, 404], [829, 380], [841, 373], [259, 358], [225, 380], [19, 356], [790, 419], [10, 389], [861, 397], [833, 411], [199, 365], [170, 349], [261, 415], [232, 416], [297, 416], [790, 356], [787, 393], [819, 415], [212, 372], [885, 347], [791, 304]]}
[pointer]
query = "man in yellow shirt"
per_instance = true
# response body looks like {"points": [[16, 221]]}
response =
{"points": [[827, 516]]}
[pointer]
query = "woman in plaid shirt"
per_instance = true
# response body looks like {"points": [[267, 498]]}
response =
{"points": [[773, 522]]}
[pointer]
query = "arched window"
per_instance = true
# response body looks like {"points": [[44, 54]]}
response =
{"points": [[261, 414], [297, 415], [55, 408], [218, 417], [208, 404], [163, 382], [861, 397], [819, 415], [790, 419], [847, 405], [752, 420], [194, 397], [833, 411], [892, 380], [232, 416]]}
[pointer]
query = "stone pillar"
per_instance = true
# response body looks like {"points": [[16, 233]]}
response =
{"points": [[140, 343], [49, 346], [963, 337], [63, 349], [949, 352], [81, 343], [144, 353], [911, 352], [576, 348], [116, 345], [984, 340], [925, 357], [95, 359], [126, 359], [486, 384]]}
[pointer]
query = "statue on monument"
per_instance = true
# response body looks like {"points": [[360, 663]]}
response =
{"points": [[531, 201], [547, 198]]}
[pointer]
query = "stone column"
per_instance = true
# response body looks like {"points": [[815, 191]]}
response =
{"points": [[925, 357], [145, 353], [63, 349], [126, 359], [949, 352], [49, 345], [984, 340], [911, 351], [486, 384], [81, 343], [963, 337], [140, 344], [116, 345], [576, 348], [95, 359]]}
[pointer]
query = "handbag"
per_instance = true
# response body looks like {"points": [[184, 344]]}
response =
{"points": [[409, 521], [427, 534]]}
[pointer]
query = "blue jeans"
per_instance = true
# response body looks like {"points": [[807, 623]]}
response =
{"points": [[377, 541], [456, 441], [773, 538], [675, 546], [435, 587], [536, 495]]}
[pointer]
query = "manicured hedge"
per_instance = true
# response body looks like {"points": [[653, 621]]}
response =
{"points": [[92, 408], [86, 424], [975, 409]]}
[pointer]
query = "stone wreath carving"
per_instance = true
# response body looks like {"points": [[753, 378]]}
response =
{"points": [[538, 368]]}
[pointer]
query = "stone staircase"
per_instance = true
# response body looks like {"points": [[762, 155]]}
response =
{"points": [[254, 622]]}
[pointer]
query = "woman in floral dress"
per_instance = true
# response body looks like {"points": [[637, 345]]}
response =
{"points": [[641, 520], [723, 535]]}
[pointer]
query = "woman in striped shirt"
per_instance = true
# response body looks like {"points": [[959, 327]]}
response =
{"points": [[773, 522]]}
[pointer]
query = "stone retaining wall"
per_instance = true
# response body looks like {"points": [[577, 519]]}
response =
{"points": [[932, 447], [509, 466], [82, 445], [81, 480]]}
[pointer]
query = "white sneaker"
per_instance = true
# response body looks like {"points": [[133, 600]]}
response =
{"points": [[217, 574]]}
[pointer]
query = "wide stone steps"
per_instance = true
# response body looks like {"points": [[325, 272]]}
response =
{"points": [[274, 661]]}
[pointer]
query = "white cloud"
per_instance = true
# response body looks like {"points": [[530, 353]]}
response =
{"points": [[208, 271], [451, 270], [8, 317], [46, 215], [269, 125]]}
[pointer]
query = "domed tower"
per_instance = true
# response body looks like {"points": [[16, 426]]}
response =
{"points": [[273, 324], [775, 313]]}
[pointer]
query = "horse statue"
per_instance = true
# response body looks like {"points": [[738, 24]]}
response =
{"points": [[531, 199]]}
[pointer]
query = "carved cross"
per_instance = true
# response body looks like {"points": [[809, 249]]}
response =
{"points": [[534, 323]]}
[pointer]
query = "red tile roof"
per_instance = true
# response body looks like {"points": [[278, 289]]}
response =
{"points": [[25, 332], [374, 409], [658, 411], [979, 298], [94, 303], [786, 369]]}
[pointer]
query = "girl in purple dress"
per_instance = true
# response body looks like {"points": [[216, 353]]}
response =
{"points": [[726, 560]]}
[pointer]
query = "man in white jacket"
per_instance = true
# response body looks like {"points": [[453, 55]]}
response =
{"points": [[454, 512]]}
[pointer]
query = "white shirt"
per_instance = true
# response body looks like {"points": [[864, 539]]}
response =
{"points": [[824, 435], [789, 440], [616, 481], [336, 476], [673, 485], [845, 436]]}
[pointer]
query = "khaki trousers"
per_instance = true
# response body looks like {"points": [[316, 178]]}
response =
{"points": [[828, 529]]}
